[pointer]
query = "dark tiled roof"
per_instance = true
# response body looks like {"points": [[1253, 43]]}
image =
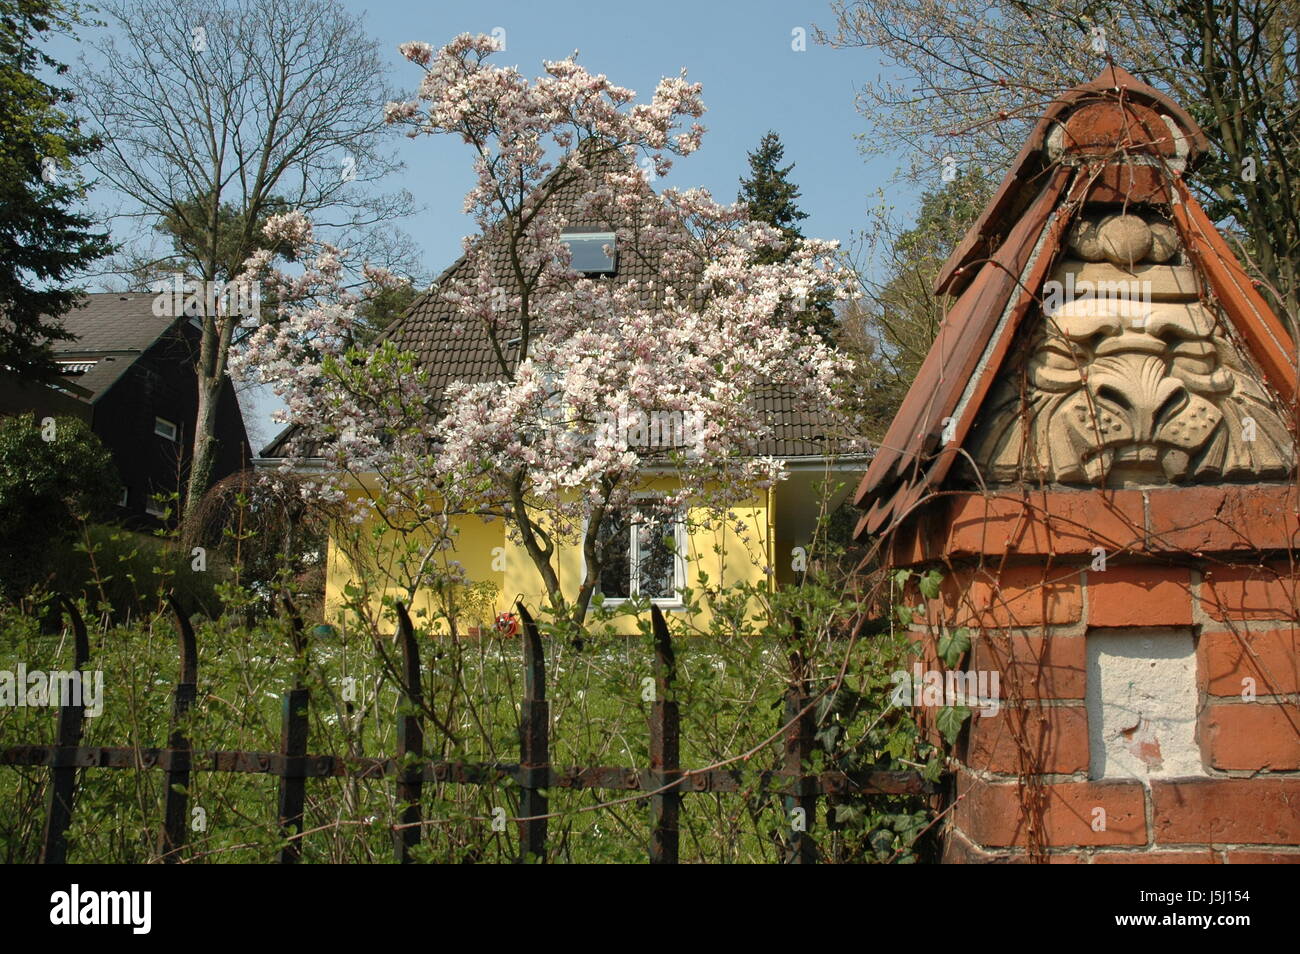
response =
{"points": [[453, 350], [112, 330], [797, 430]]}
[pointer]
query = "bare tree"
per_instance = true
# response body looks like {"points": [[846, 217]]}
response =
{"points": [[972, 75], [216, 114]]}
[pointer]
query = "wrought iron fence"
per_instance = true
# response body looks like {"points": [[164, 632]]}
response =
{"points": [[662, 784]]}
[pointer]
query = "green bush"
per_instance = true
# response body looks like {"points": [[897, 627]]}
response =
{"points": [[132, 573], [51, 474]]}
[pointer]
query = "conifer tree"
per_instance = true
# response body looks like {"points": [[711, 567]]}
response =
{"points": [[44, 242], [771, 198], [768, 191]]}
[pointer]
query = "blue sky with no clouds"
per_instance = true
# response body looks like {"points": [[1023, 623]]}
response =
{"points": [[740, 51]]}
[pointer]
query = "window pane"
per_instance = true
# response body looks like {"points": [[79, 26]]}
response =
{"points": [[588, 251], [614, 545], [655, 560]]}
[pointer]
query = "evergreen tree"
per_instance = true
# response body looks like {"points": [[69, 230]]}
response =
{"points": [[771, 197], [768, 191], [43, 243]]}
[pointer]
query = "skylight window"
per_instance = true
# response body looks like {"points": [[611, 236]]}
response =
{"points": [[589, 252]]}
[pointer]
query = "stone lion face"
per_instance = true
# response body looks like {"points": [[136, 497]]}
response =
{"points": [[1132, 392], [1135, 385]]}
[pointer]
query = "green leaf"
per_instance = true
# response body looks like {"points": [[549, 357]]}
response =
{"points": [[904, 614], [847, 814], [930, 584], [950, 720], [953, 644], [901, 577]]}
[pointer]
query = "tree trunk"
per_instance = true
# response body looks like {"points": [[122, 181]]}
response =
{"points": [[204, 452], [210, 372]]}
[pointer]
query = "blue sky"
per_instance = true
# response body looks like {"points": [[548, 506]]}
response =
{"points": [[741, 52]]}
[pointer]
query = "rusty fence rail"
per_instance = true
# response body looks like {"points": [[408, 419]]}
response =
{"points": [[664, 782]]}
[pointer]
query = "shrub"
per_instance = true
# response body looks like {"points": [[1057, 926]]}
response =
{"points": [[51, 474], [130, 573]]}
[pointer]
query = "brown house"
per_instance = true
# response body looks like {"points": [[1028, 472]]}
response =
{"points": [[130, 375]]}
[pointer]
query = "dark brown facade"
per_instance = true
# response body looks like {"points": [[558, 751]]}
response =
{"points": [[130, 375]]}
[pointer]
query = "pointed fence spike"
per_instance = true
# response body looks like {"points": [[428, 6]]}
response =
{"points": [[410, 742], [534, 745]]}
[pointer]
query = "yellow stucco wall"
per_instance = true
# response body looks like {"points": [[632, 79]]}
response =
{"points": [[741, 550]]}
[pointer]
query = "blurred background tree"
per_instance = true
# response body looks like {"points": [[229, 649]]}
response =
{"points": [[890, 327], [44, 241]]}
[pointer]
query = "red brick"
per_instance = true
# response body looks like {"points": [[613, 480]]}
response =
{"points": [[1213, 811], [1045, 522], [1245, 856], [1034, 667], [1030, 595], [991, 813], [1055, 741], [1251, 736], [1270, 658], [1222, 519], [1139, 595], [958, 851], [1206, 857], [1249, 592]]}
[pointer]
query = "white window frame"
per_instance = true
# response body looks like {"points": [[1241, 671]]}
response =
{"points": [[154, 509], [161, 426], [611, 238], [681, 539], [125, 498]]}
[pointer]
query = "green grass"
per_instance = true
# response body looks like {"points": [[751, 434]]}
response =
{"points": [[729, 690]]}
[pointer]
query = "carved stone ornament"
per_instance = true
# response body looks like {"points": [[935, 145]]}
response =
{"points": [[1128, 378]]}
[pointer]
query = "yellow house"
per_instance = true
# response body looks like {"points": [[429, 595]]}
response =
{"points": [[764, 539], [759, 540]]}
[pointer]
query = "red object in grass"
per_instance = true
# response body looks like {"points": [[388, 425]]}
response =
{"points": [[507, 624]]}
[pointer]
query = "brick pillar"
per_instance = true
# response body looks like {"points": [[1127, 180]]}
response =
{"points": [[1147, 655]]}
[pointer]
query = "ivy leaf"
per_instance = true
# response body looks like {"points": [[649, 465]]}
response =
{"points": [[953, 645], [900, 578], [904, 614], [929, 584], [828, 736], [897, 745], [847, 815], [950, 721], [933, 770]]}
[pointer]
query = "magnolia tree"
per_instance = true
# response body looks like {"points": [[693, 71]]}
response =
{"points": [[554, 443]]}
